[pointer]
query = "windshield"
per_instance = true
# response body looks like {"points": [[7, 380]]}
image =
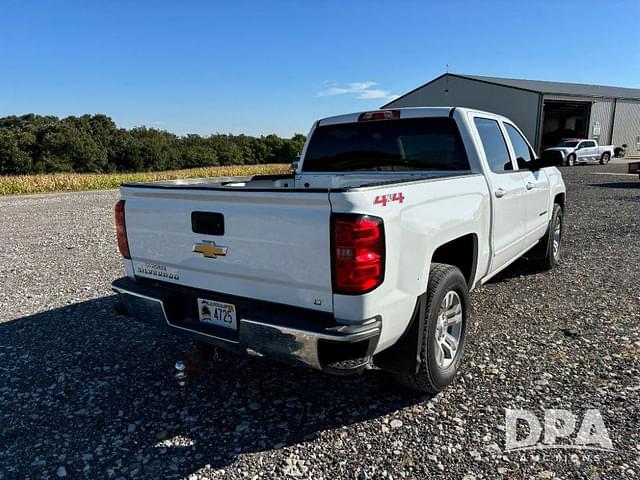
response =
{"points": [[389, 145], [567, 143]]}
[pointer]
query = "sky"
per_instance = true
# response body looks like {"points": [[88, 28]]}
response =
{"points": [[260, 67]]}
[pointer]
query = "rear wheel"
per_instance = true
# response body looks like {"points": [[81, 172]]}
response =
{"points": [[571, 160], [605, 158], [445, 326], [548, 252]]}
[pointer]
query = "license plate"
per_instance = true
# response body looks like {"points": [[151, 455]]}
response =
{"points": [[217, 313]]}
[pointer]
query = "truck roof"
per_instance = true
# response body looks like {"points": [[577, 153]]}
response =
{"points": [[407, 112]]}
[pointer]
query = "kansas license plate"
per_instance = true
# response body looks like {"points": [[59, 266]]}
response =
{"points": [[217, 313]]}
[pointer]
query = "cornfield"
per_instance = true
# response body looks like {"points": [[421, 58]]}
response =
{"points": [[71, 182]]}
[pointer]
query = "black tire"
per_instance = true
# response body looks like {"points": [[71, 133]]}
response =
{"points": [[605, 158], [571, 160], [431, 377], [544, 254]]}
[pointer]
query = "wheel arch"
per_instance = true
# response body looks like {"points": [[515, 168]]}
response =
{"points": [[461, 252]]}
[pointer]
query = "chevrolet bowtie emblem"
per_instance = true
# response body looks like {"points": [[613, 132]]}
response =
{"points": [[209, 249]]}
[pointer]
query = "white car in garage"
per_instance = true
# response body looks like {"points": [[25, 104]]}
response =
{"points": [[580, 150]]}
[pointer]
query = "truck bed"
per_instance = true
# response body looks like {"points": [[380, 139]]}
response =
{"points": [[303, 182]]}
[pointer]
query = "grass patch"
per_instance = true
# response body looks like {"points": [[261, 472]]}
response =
{"points": [[73, 182]]}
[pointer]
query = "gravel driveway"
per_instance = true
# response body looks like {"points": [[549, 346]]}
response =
{"points": [[87, 394]]}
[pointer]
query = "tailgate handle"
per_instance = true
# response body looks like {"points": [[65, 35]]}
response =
{"points": [[209, 223]]}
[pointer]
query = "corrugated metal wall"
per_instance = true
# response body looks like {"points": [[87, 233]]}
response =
{"points": [[523, 107], [626, 127], [520, 106], [601, 115], [601, 111]]}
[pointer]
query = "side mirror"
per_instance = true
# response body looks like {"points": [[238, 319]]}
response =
{"points": [[551, 158]]}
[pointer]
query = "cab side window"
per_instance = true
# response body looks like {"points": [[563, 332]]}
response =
{"points": [[494, 145], [524, 155]]}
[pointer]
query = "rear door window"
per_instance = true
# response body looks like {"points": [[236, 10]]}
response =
{"points": [[387, 145], [495, 147]]}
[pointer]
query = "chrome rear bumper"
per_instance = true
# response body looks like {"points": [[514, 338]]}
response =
{"points": [[330, 346]]}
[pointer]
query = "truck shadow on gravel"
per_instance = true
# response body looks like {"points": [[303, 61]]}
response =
{"points": [[520, 268], [85, 389], [635, 185]]}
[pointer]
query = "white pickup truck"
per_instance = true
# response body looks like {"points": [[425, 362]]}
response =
{"points": [[580, 150], [365, 255]]}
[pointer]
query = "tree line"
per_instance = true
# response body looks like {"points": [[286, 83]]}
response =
{"points": [[31, 144]]}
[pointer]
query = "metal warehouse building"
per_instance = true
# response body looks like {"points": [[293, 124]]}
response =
{"points": [[545, 111]]}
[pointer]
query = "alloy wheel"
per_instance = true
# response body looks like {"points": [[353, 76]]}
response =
{"points": [[557, 237], [448, 329]]}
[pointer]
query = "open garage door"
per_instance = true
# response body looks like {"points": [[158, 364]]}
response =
{"points": [[562, 119]]}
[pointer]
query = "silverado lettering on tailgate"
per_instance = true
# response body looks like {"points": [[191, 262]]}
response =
{"points": [[158, 271]]}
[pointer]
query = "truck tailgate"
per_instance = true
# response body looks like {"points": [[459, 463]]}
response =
{"points": [[277, 243]]}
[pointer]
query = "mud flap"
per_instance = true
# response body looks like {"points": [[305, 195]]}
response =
{"points": [[404, 355]]}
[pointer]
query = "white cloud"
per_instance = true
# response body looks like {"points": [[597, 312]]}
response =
{"points": [[361, 90], [374, 93], [333, 91], [362, 85]]}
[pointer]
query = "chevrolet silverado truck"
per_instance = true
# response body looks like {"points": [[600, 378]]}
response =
{"points": [[579, 150], [363, 256]]}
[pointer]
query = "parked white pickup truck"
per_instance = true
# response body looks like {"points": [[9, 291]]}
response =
{"points": [[364, 255], [578, 150]]}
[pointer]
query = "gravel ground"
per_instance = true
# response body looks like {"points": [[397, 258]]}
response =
{"points": [[86, 394]]}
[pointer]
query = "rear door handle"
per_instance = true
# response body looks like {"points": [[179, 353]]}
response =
{"points": [[530, 185], [500, 192]]}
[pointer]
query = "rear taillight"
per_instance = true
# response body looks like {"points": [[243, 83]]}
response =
{"points": [[358, 253], [379, 115], [121, 230]]}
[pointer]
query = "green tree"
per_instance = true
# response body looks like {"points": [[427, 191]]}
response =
{"points": [[227, 150], [93, 143], [65, 148], [13, 160], [156, 147], [195, 151]]}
